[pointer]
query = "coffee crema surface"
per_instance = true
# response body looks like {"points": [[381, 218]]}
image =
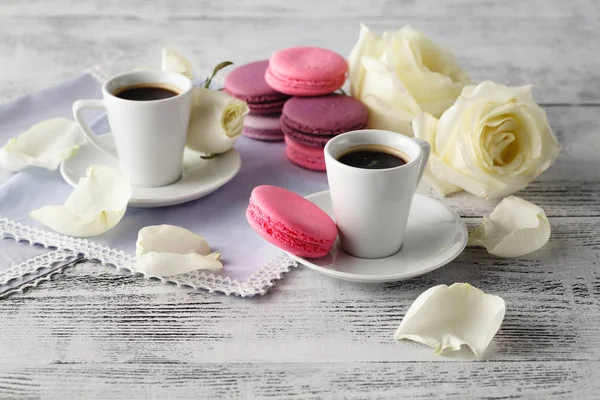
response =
{"points": [[373, 157], [146, 92]]}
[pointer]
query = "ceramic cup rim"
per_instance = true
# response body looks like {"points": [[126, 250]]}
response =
{"points": [[381, 134], [182, 83]]}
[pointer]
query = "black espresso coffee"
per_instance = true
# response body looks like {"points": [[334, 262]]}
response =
{"points": [[372, 157], [146, 92]]}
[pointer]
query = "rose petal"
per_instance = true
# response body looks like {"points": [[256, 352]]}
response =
{"points": [[384, 116], [497, 92], [368, 44], [425, 127], [96, 205], [216, 121], [170, 264], [170, 239], [45, 145], [173, 61], [445, 170], [428, 71], [516, 227], [433, 92], [391, 106], [445, 318], [381, 82], [411, 50], [167, 250]]}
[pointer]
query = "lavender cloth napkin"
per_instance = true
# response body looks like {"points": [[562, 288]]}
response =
{"points": [[219, 217]]}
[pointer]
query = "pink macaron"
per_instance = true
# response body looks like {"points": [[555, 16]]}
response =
{"points": [[308, 157], [263, 127], [247, 82], [306, 71], [291, 222]]}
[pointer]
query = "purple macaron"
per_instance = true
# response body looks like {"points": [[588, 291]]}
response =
{"points": [[312, 121], [247, 82]]}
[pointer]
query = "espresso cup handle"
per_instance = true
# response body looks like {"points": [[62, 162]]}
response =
{"points": [[425, 150], [78, 108]]}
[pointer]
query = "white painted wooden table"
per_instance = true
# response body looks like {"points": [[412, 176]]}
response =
{"points": [[91, 333]]}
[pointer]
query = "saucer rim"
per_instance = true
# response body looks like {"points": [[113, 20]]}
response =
{"points": [[352, 277], [164, 202]]}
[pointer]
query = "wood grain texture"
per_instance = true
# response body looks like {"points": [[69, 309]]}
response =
{"points": [[304, 381], [379, 10], [96, 333], [563, 68]]}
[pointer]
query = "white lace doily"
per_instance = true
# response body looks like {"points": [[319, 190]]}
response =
{"points": [[257, 283], [34, 271]]}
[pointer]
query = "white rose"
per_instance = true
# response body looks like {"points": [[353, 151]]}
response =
{"points": [[216, 118], [492, 142], [400, 74], [216, 121]]}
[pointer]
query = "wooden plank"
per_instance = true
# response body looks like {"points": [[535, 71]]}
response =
{"points": [[514, 52], [89, 315], [557, 198], [141, 379], [267, 9]]}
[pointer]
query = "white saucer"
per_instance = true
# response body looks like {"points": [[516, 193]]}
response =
{"points": [[200, 177], [435, 235]]}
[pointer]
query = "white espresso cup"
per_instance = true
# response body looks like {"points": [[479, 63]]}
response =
{"points": [[149, 135], [371, 206]]}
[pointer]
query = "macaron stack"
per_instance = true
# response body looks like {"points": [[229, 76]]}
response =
{"points": [[309, 122], [314, 115], [247, 83]]}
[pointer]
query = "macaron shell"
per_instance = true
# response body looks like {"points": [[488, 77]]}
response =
{"points": [[311, 140], [283, 241], [293, 215], [308, 157], [273, 107], [306, 71], [263, 127], [325, 115], [297, 87], [247, 83], [308, 63]]}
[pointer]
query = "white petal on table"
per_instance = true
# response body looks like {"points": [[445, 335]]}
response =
{"points": [[45, 145], [96, 205], [516, 227], [167, 250], [445, 318]]}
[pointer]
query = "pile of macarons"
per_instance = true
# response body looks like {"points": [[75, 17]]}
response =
{"points": [[291, 96]]}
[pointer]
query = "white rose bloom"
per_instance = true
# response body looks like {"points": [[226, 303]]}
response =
{"points": [[492, 142], [400, 74], [216, 121]]}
